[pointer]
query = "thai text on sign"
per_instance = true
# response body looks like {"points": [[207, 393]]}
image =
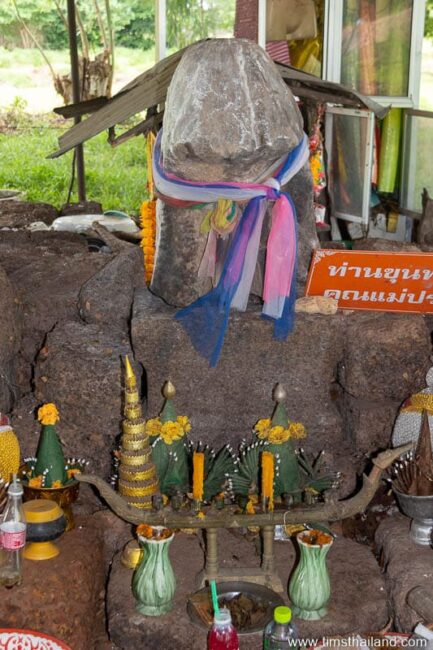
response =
{"points": [[373, 280]]}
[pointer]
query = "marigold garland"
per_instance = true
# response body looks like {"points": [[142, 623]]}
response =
{"points": [[148, 215], [148, 236]]}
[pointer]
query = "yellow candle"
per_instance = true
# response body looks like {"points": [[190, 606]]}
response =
{"points": [[197, 475], [268, 478]]}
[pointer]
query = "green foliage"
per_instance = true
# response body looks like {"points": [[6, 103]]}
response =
{"points": [[135, 25], [114, 177], [133, 21], [428, 25], [191, 20], [15, 115]]}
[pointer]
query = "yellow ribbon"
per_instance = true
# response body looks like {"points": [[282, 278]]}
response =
{"points": [[218, 218]]}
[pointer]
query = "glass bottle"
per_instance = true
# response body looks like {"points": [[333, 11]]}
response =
{"points": [[280, 634], [12, 536], [222, 635]]}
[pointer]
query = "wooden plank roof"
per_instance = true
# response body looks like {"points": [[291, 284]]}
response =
{"points": [[150, 89]]}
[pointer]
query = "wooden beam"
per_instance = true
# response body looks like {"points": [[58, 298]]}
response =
{"points": [[150, 89], [81, 108], [138, 129]]}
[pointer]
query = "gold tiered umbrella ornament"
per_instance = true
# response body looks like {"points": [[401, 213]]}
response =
{"points": [[138, 480]]}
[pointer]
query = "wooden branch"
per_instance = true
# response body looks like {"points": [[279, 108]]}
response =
{"points": [[101, 24], [230, 517], [61, 14], [83, 35], [318, 96], [34, 39], [111, 38]]}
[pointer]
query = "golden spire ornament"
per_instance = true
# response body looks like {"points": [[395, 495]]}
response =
{"points": [[138, 480]]}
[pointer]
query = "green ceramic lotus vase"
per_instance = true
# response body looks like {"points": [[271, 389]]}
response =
{"points": [[154, 584], [309, 587]]}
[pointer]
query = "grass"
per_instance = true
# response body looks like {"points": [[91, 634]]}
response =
{"points": [[114, 177]]}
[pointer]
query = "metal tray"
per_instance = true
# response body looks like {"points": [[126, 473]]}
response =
{"points": [[227, 590]]}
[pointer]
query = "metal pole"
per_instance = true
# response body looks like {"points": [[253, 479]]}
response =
{"points": [[76, 95], [160, 29], [261, 31]]}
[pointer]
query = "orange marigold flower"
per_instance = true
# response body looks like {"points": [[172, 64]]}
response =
{"points": [[36, 481]]}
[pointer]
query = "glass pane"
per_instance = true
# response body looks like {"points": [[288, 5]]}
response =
{"points": [[191, 20], [294, 33], [347, 158], [418, 148], [376, 46]]}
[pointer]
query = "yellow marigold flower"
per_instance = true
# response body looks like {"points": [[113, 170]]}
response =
{"points": [[36, 481], [72, 472], [250, 508], [262, 425], [297, 430], [200, 515], [48, 414], [57, 484], [278, 435], [153, 427], [184, 423], [171, 431]]}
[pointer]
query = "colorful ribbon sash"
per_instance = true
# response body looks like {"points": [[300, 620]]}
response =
{"points": [[206, 319]]}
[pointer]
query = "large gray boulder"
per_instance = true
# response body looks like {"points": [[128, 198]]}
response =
{"points": [[228, 114], [228, 117]]}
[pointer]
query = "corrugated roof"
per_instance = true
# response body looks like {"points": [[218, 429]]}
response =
{"points": [[150, 89]]}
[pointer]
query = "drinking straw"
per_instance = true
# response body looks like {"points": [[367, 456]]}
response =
{"points": [[213, 591]]}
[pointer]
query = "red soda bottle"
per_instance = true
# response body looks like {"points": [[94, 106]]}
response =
{"points": [[222, 635]]}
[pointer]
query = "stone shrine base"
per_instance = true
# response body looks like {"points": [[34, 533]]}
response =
{"points": [[358, 602], [407, 565]]}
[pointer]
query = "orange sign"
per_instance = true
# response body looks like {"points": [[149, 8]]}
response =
{"points": [[373, 280]]}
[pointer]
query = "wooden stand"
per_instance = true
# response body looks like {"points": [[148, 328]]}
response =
{"points": [[264, 575]]}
